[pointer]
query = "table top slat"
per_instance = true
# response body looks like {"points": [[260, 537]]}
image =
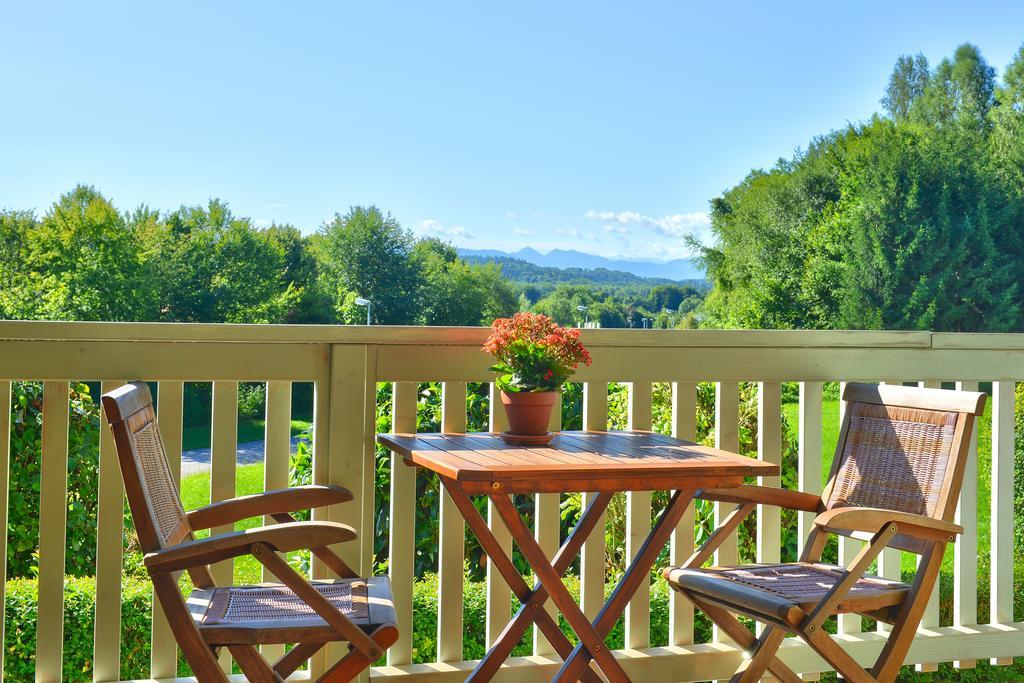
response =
{"points": [[576, 460]]}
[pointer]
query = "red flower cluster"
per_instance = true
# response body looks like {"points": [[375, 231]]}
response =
{"points": [[562, 344]]}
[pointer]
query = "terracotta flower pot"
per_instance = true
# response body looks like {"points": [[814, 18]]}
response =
{"points": [[529, 413]]}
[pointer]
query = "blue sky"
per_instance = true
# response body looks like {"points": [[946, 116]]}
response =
{"points": [[600, 127]]}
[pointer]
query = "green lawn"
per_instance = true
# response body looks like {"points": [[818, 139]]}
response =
{"points": [[195, 493], [248, 430]]}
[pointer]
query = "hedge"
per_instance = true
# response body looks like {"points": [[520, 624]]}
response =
{"points": [[79, 623], [79, 603]]}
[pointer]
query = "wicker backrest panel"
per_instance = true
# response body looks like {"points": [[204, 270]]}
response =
{"points": [[894, 458], [155, 479]]}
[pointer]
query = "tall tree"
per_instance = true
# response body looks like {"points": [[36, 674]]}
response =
{"points": [[960, 91], [1007, 140], [368, 254], [84, 262], [16, 298], [454, 292], [301, 271], [214, 267], [906, 84]]}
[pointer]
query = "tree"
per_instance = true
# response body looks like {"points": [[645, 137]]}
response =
{"points": [[1007, 140], [213, 267], [454, 292], [906, 84], [367, 253], [15, 298], [301, 271], [84, 262], [905, 222], [960, 91]]}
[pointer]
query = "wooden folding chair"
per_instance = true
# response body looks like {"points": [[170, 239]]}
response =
{"points": [[895, 481], [307, 613]]}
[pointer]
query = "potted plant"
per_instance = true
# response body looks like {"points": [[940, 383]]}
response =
{"points": [[534, 357]]}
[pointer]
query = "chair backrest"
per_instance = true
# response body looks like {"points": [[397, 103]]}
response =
{"points": [[902, 449], [152, 496]]}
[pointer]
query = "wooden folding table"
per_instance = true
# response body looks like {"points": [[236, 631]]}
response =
{"points": [[602, 462]]}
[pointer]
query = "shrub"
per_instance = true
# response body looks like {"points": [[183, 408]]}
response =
{"points": [[79, 622], [136, 610], [252, 400], [26, 451]]}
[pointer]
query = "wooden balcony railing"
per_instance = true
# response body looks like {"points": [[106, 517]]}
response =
{"points": [[346, 363]]}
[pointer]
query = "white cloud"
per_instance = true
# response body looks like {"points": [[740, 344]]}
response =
{"points": [[512, 215], [261, 223], [618, 229], [432, 227], [697, 223], [523, 232]]}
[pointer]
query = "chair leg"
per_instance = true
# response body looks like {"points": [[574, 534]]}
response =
{"points": [[845, 665], [891, 658], [252, 664], [355, 662], [293, 659], [752, 669], [764, 649]]}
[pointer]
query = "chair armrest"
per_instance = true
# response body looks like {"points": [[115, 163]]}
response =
{"points": [[764, 495], [280, 537], [268, 503], [873, 520]]}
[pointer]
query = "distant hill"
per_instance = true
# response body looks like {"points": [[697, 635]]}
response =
{"points": [[677, 270]]}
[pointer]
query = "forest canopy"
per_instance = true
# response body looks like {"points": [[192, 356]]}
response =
{"points": [[911, 220]]}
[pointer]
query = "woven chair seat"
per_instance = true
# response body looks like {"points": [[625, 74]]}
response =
{"points": [[769, 588], [242, 614]]}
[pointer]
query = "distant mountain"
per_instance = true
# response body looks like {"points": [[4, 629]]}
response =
{"points": [[676, 270]]}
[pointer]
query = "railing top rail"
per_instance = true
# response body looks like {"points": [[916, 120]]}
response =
{"points": [[18, 330]]}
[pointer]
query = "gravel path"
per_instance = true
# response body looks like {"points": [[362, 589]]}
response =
{"points": [[198, 460]]}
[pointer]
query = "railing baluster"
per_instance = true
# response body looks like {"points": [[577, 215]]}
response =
{"points": [[499, 595], [53, 491], [5, 461], [547, 524], [1001, 607], [109, 547], [169, 412], [638, 524], [965, 549], [402, 541], [452, 539], [809, 462], [769, 449], [592, 559], [684, 426], [809, 453], [931, 611], [277, 447], [890, 561], [223, 459], [848, 548], [727, 437]]}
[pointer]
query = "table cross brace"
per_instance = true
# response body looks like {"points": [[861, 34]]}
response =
{"points": [[639, 570], [532, 600]]}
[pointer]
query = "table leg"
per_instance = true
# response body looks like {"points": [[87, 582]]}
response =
{"points": [[552, 581], [532, 600], [638, 571]]}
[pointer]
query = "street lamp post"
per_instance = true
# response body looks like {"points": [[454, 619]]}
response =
{"points": [[586, 318], [369, 306]]}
